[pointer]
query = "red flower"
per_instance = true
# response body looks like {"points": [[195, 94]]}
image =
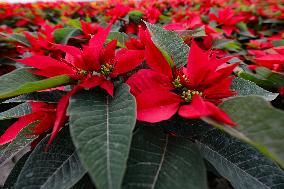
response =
{"points": [[42, 43], [90, 28], [118, 11], [42, 112], [152, 14], [226, 19], [93, 66], [136, 43], [192, 22], [272, 59], [193, 92]]}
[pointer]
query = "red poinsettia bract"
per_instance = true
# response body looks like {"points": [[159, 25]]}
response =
{"points": [[273, 60], [193, 91], [94, 65], [226, 19], [42, 113]]}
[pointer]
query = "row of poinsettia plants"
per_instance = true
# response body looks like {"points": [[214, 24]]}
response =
{"points": [[150, 94]]}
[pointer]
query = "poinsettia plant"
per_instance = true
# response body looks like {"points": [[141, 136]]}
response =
{"points": [[170, 94]]}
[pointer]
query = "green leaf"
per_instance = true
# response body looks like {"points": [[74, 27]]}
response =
{"points": [[121, 38], [21, 141], [84, 183], [198, 32], [17, 37], [158, 160], [273, 21], [74, 23], [277, 43], [240, 163], [59, 167], [101, 128], [220, 43], [21, 81], [17, 111], [245, 35], [226, 44], [264, 77], [45, 96], [135, 16], [62, 35], [13, 176], [259, 124], [170, 42], [242, 26], [245, 88]]}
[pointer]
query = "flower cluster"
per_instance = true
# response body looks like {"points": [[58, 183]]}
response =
{"points": [[128, 92], [92, 59]]}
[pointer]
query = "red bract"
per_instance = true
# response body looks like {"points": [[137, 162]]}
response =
{"points": [[192, 22], [42, 113], [42, 43], [193, 91], [273, 60], [137, 43], [93, 66], [226, 19], [118, 11], [90, 29], [152, 15]]}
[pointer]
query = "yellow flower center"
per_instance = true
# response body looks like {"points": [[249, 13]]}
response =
{"points": [[177, 83], [106, 69], [180, 84], [82, 72], [187, 95]]}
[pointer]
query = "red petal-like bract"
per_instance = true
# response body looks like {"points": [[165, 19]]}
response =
{"points": [[61, 112], [146, 79], [199, 108], [270, 59], [204, 82], [127, 60], [11, 133], [100, 37], [73, 55], [156, 105], [47, 66], [42, 112], [155, 59]]}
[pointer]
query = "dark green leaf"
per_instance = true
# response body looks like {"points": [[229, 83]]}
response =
{"points": [[199, 32], [157, 161], [264, 77], [220, 43], [242, 26], [17, 111], [170, 42], [13, 176], [59, 167], [84, 183], [277, 43], [240, 163], [46, 96], [135, 16], [21, 81], [101, 128], [258, 123], [273, 21], [62, 35], [17, 37], [245, 88]]}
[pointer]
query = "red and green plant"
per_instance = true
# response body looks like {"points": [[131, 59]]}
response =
{"points": [[148, 94]]}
